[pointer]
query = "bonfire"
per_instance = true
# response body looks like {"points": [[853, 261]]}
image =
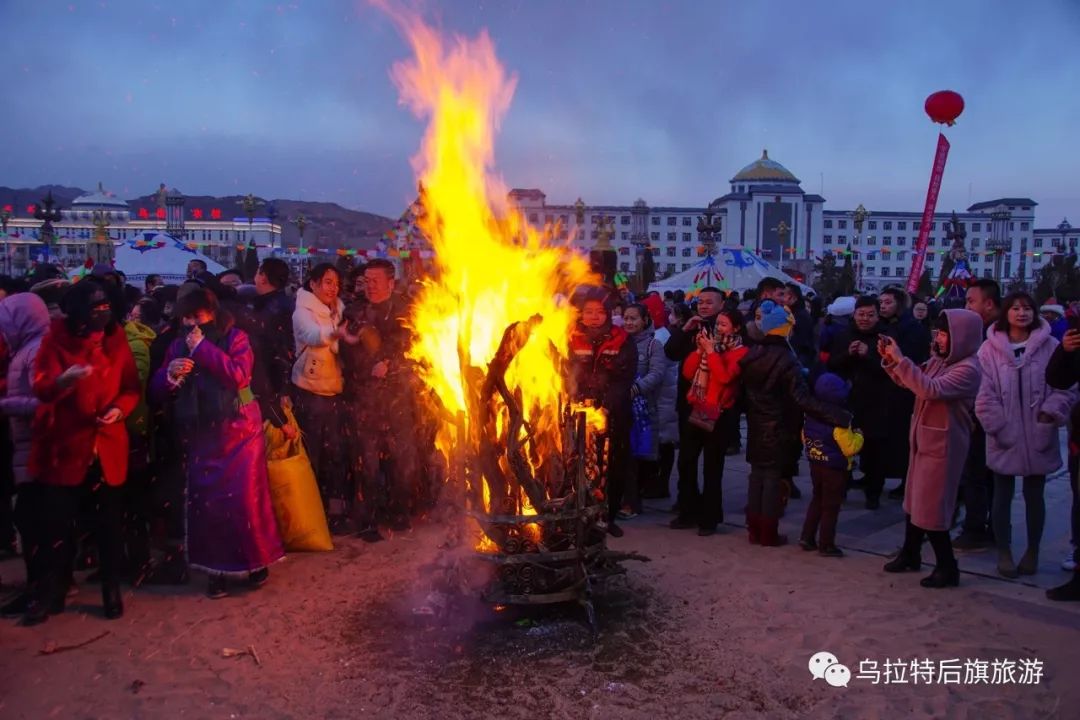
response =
{"points": [[491, 326]]}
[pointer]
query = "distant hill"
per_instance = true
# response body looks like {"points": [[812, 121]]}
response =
{"points": [[328, 224]]}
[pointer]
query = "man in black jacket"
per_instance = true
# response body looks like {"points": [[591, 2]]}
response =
{"points": [[881, 408], [776, 397], [1062, 373], [914, 340], [272, 341], [802, 336]]}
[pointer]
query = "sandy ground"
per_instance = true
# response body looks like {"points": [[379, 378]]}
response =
{"points": [[712, 627]]}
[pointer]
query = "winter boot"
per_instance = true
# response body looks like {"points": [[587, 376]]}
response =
{"points": [[1006, 567], [768, 528], [904, 562], [752, 527], [111, 600], [1069, 592], [1029, 563], [942, 576]]}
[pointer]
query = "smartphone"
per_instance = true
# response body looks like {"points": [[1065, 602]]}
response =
{"points": [[1073, 322]]}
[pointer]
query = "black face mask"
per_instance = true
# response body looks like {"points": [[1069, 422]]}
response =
{"points": [[99, 320], [208, 329]]}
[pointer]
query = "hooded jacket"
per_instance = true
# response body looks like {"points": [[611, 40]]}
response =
{"points": [[826, 444], [1009, 402], [24, 320], [940, 434], [318, 367], [776, 398], [66, 431]]}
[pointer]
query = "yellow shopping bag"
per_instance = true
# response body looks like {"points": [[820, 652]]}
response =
{"points": [[294, 493]]}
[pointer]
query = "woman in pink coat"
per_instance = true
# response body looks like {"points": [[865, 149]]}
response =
{"points": [[945, 388], [1021, 415]]}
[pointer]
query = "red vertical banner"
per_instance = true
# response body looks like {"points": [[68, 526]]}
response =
{"points": [[936, 174]]}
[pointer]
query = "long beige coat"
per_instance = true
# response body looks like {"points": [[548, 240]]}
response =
{"points": [[945, 390]]}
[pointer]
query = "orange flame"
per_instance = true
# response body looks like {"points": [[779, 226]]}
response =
{"points": [[491, 269]]}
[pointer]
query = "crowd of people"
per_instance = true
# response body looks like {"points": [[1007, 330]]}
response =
{"points": [[137, 418], [953, 398]]}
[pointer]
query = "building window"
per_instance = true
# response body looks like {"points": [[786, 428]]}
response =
{"points": [[841, 224], [532, 217], [655, 219], [841, 239], [871, 270], [975, 243], [855, 241], [872, 224], [686, 237], [1024, 226], [916, 225], [902, 225], [670, 220], [594, 235], [625, 267], [828, 224], [624, 219], [976, 227], [655, 251], [1038, 242], [900, 255], [548, 218], [624, 236], [871, 240], [887, 240], [828, 239], [887, 225], [885, 272], [933, 226], [624, 251], [654, 236], [686, 266], [1012, 226], [671, 252], [686, 252], [687, 221], [671, 237]]}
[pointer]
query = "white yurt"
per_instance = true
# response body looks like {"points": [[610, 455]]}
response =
{"points": [[155, 253], [730, 269]]}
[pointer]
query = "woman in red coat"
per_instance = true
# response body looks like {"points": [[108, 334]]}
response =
{"points": [[86, 380]]}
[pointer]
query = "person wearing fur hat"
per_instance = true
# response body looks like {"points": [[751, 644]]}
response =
{"points": [[1054, 315], [776, 398], [945, 387], [603, 367]]}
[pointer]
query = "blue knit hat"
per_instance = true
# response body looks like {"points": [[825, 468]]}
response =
{"points": [[773, 319]]}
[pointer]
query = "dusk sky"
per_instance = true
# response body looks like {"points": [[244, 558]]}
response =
{"points": [[615, 100]]}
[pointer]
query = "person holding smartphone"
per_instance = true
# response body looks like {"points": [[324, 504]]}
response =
{"points": [[945, 388]]}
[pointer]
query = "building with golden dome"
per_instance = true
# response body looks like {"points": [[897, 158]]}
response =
{"points": [[767, 211]]}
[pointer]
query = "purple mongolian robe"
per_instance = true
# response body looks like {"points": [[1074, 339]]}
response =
{"points": [[230, 521]]}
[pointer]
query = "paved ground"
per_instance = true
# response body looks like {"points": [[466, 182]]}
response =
{"points": [[881, 531]]}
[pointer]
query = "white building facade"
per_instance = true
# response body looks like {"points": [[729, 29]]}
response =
{"points": [[216, 232], [766, 210]]}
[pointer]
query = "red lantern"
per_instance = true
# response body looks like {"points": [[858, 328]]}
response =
{"points": [[31, 209], [215, 214], [197, 213], [143, 213], [9, 209], [944, 107], [160, 213]]}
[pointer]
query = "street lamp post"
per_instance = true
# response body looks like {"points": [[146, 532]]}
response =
{"points": [[48, 212], [301, 224], [708, 230], [783, 232], [5, 216]]}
